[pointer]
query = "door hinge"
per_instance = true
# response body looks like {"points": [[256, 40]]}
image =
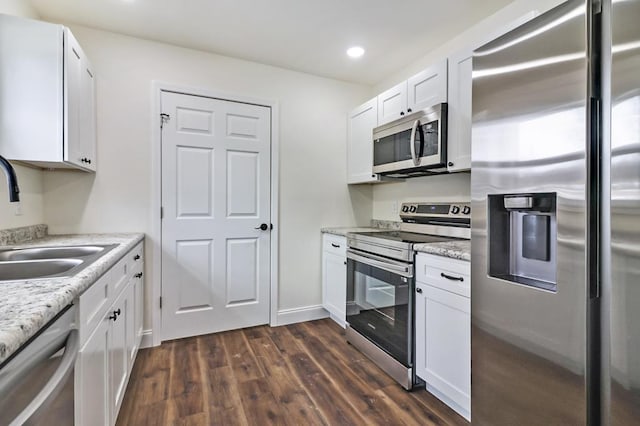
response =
{"points": [[163, 119], [160, 302], [161, 212]]}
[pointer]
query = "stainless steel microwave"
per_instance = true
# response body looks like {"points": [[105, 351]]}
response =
{"points": [[415, 145]]}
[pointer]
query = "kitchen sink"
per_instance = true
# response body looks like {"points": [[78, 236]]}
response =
{"points": [[27, 269], [37, 253], [48, 262]]}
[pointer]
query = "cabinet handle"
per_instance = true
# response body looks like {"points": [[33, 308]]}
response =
{"points": [[408, 109], [115, 315], [418, 290], [89, 160], [136, 257], [345, 262], [335, 245], [449, 277], [138, 275], [401, 112], [450, 164]]}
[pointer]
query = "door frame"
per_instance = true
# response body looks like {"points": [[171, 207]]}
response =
{"points": [[155, 240]]}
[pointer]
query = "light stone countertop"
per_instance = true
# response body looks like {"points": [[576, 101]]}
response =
{"points": [[342, 231], [28, 305], [457, 249]]}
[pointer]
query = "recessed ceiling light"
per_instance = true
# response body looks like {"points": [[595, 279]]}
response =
{"points": [[355, 51]]}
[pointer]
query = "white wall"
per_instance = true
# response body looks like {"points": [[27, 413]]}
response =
{"points": [[312, 150], [456, 187], [29, 179]]}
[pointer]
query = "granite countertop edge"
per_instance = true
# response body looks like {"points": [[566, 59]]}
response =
{"points": [[28, 305], [458, 249], [343, 231]]}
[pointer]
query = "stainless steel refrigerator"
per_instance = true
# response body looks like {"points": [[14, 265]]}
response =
{"points": [[555, 188]]}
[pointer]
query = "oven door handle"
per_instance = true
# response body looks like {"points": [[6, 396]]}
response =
{"points": [[382, 263]]}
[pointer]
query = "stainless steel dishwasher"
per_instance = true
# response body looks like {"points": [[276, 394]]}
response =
{"points": [[36, 383]]}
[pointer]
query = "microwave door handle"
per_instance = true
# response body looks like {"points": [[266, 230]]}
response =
{"points": [[416, 125]]}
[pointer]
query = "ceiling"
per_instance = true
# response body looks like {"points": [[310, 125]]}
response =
{"points": [[304, 35]]}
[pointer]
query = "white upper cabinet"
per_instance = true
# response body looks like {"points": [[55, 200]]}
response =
{"points": [[47, 96], [392, 103], [362, 120], [459, 124], [423, 90], [427, 88]]}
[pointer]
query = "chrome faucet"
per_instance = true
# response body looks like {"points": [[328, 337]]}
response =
{"points": [[12, 180]]}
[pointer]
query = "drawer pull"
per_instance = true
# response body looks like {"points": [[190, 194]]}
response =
{"points": [[418, 290], [449, 277], [138, 275], [136, 257], [335, 245]]}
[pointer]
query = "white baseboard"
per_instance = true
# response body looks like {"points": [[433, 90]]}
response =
{"points": [[305, 313], [147, 339]]}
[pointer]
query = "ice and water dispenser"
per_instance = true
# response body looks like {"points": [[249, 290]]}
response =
{"points": [[522, 239]]}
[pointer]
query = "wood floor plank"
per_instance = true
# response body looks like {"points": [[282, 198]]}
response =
{"points": [[360, 395], [258, 403], [186, 384], [242, 360], [327, 396], [302, 374], [298, 407]]}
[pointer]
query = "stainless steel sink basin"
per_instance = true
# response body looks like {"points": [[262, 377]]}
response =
{"points": [[34, 253], [27, 269], [48, 262]]}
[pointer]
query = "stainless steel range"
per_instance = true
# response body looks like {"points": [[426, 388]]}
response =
{"points": [[380, 283]]}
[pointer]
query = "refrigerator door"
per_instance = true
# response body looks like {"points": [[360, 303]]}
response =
{"points": [[528, 303], [624, 298]]}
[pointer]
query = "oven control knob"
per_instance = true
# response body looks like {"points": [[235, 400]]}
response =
{"points": [[405, 209], [466, 210], [455, 210], [413, 209]]}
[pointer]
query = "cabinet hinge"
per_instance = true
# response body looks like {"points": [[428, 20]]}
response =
{"points": [[163, 119], [161, 212], [160, 302]]}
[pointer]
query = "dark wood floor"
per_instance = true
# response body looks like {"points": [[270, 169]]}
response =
{"points": [[301, 374]]}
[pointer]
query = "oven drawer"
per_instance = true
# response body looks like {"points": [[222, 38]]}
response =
{"points": [[445, 273], [334, 244]]}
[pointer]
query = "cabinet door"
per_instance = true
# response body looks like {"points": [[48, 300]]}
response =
{"points": [[73, 92], [92, 378], [118, 354], [459, 136], [428, 87], [443, 345], [130, 321], [392, 103], [362, 120], [334, 283], [79, 141], [87, 125], [139, 308]]}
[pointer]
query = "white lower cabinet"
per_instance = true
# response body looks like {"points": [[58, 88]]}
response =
{"points": [[110, 340], [443, 330], [334, 276]]}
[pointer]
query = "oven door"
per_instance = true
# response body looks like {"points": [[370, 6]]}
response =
{"points": [[380, 302]]}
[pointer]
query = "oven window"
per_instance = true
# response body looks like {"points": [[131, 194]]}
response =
{"points": [[378, 308]]}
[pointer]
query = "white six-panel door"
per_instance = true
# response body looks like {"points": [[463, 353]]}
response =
{"points": [[216, 171]]}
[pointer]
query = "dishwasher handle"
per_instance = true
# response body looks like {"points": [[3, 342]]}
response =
{"points": [[55, 383]]}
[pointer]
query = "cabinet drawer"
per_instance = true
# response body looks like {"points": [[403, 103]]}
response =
{"points": [[135, 258], [120, 275], [445, 273], [334, 244], [93, 305]]}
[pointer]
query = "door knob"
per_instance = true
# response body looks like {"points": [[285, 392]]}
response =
{"points": [[263, 227]]}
